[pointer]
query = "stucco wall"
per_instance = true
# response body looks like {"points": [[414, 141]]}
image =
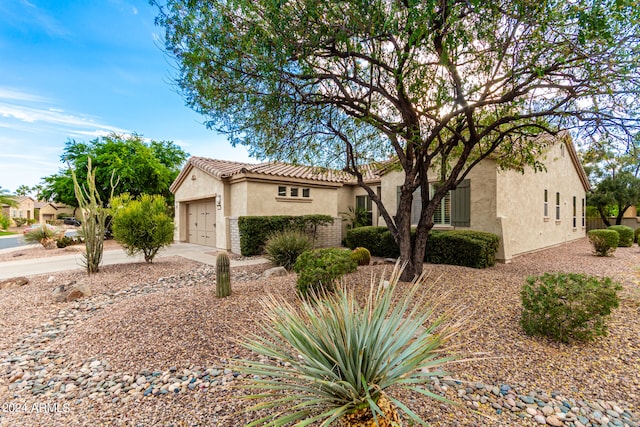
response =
{"points": [[520, 204], [262, 199]]}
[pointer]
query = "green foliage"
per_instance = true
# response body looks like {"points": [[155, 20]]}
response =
{"points": [[361, 256], [467, 248], [318, 269], [337, 356], [255, 230], [142, 168], [5, 221], [65, 241], [356, 217], [618, 193], [568, 307], [7, 199], [223, 275], [19, 221], [636, 235], [141, 225], [604, 242], [284, 247], [625, 233], [42, 235]]}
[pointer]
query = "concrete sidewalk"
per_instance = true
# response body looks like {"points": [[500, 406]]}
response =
{"points": [[35, 266]]}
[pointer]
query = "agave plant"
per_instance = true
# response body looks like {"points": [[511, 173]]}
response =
{"points": [[337, 359]]}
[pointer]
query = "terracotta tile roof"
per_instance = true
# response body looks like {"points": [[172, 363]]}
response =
{"points": [[226, 169]]}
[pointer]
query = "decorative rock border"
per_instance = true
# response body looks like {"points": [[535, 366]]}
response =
{"points": [[30, 368]]}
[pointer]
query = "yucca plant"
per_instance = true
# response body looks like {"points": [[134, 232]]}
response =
{"points": [[337, 359]]}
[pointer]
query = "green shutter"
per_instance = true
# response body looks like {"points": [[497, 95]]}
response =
{"points": [[461, 205]]}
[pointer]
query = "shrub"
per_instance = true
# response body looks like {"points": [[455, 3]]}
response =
{"points": [[65, 241], [361, 256], [343, 361], [284, 247], [255, 230], [5, 221], [141, 225], [626, 235], [20, 221], [45, 235], [462, 247], [604, 242], [320, 268], [366, 237], [636, 235], [568, 307]]}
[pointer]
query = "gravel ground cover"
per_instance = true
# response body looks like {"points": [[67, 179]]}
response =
{"points": [[153, 346]]}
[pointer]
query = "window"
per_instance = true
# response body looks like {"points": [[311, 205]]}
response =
{"points": [[575, 212], [363, 203], [282, 191], [546, 203], [294, 191], [454, 209], [557, 206], [305, 192], [583, 213]]}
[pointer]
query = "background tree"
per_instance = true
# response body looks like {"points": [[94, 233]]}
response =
{"points": [[141, 167], [619, 192], [141, 225], [438, 85], [6, 198]]}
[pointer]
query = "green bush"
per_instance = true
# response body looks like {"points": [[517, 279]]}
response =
{"points": [[65, 241], [141, 225], [320, 268], [461, 247], [20, 221], [255, 230], [568, 307], [45, 235], [636, 235], [365, 237], [361, 256], [284, 247], [626, 235], [5, 221], [604, 242]]}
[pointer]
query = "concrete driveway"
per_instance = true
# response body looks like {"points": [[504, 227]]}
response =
{"points": [[35, 266]]}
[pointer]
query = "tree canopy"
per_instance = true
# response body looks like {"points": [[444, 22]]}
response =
{"points": [[140, 167], [437, 85], [6, 198]]}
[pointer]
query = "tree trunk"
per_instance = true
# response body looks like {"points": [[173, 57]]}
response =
{"points": [[604, 217], [364, 417]]}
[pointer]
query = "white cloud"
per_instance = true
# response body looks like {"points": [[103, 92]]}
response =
{"points": [[17, 95], [134, 10]]}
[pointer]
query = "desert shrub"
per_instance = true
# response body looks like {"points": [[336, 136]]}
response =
{"points": [[45, 235], [65, 241], [625, 233], [255, 230], [345, 361], [462, 247], [284, 247], [141, 225], [604, 242], [365, 237], [636, 235], [5, 221], [318, 269], [568, 307], [19, 221], [361, 256]]}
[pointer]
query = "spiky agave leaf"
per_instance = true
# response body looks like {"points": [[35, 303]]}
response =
{"points": [[337, 357]]}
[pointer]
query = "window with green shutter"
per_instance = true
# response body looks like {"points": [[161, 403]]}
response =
{"points": [[454, 209]]}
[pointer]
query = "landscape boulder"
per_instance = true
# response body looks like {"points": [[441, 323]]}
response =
{"points": [[275, 272], [70, 291], [13, 283]]}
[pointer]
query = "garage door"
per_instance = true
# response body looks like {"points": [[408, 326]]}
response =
{"points": [[202, 223]]}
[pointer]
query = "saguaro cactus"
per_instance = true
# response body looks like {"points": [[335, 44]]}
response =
{"points": [[223, 276]]}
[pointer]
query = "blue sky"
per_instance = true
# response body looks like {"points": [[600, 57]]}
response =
{"points": [[80, 69]]}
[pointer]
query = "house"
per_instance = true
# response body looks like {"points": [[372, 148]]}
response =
{"points": [[50, 212], [529, 211], [25, 208]]}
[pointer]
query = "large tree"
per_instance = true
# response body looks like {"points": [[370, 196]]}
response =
{"points": [[6, 198], [438, 85], [140, 167]]}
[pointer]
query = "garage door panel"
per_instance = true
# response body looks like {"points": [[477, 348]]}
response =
{"points": [[202, 223]]}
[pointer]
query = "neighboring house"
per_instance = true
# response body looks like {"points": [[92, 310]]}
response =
{"points": [[528, 211], [25, 208], [49, 211]]}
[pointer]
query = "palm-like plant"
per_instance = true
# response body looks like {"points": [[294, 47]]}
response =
{"points": [[337, 358]]}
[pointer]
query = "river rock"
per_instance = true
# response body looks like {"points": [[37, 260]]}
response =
{"points": [[275, 272], [70, 291], [13, 283]]}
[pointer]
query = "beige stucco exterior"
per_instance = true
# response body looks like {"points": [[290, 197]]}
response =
{"points": [[507, 203], [50, 212], [25, 208]]}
